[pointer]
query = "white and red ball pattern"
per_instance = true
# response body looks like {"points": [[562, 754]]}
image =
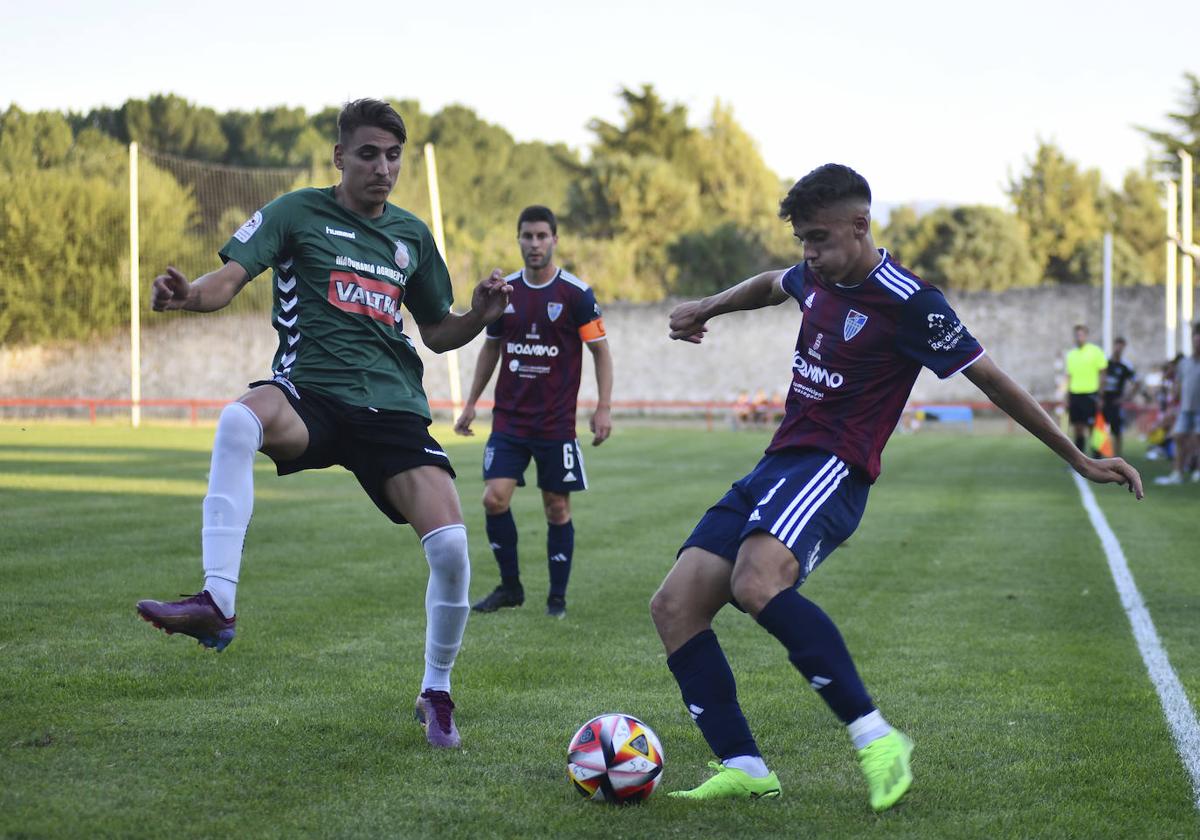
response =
{"points": [[615, 758]]}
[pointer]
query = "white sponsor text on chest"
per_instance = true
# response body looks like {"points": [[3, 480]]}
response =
{"points": [[370, 268]]}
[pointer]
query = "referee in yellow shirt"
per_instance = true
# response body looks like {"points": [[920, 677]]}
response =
{"points": [[1085, 363]]}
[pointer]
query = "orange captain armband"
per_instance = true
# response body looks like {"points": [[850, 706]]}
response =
{"points": [[592, 330]]}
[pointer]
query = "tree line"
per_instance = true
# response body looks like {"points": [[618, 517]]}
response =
{"points": [[658, 206]]}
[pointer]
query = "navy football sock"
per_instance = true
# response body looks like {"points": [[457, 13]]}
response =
{"points": [[710, 694], [816, 648], [560, 547], [502, 534]]}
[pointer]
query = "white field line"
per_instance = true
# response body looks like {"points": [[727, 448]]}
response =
{"points": [[1181, 717]]}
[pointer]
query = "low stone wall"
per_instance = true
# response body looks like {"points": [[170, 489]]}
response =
{"points": [[213, 356]]}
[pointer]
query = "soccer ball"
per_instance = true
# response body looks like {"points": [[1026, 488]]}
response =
{"points": [[615, 758]]}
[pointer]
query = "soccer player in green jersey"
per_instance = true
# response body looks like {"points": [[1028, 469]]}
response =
{"points": [[346, 382]]}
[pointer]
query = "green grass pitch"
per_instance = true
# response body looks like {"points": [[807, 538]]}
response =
{"points": [[975, 597]]}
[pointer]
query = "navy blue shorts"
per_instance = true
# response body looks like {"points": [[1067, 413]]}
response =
{"points": [[559, 462], [810, 500]]}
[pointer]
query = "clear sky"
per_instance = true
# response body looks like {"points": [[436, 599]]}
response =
{"points": [[931, 101]]}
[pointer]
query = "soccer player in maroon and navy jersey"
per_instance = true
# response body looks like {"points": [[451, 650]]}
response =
{"points": [[552, 315], [868, 326]]}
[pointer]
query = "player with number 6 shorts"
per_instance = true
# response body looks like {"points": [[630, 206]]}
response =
{"points": [[538, 343]]}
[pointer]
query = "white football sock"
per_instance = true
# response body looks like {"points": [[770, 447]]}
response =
{"points": [[229, 503], [870, 727], [751, 765], [446, 605]]}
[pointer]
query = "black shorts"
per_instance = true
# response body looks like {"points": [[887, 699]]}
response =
{"points": [[1112, 413], [1082, 409], [374, 444]]}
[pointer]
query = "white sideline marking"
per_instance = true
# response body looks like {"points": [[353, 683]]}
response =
{"points": [[1181, 717]]}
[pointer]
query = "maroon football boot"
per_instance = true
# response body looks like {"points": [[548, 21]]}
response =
{"points": [[435, 711], [196, 616]]}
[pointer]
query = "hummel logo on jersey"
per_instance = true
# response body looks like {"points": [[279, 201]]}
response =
{"points": [[344, 234], [435, 452], [808, 301], [855, 321], [819, 682], [570, 476]]}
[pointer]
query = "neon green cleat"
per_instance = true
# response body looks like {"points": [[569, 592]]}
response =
{"points": [[731, 783], [885, 764]]}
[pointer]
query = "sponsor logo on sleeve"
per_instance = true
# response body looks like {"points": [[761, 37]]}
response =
{"points": [[853, 325], [944, 334], [248, 229]]}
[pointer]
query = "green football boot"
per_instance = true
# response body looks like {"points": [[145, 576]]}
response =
{"points": [[731, 783], [885, 764]]}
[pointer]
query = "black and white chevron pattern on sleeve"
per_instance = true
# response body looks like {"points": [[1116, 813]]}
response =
{"points": [[289, 315]]}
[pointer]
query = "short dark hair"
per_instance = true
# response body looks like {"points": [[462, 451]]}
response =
{"points": [[371, 112], [824, 186], [1120, 340], [538, 213]]}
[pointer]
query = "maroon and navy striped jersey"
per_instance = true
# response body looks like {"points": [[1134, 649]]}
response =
{"points": [[541, 335], [857, 357]]}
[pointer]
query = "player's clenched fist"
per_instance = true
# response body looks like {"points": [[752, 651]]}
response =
{"points": [[169, 291], [463, 426], [687, 322]]}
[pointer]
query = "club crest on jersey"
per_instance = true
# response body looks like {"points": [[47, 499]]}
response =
{"points": [[402, 258], [855, 321], [554, 309]]}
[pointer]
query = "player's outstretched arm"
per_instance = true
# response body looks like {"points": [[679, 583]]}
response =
{"points": [[601, 422], [1018, 404], [688, 320], [487, 304], [207, 293], [489, 354]]}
